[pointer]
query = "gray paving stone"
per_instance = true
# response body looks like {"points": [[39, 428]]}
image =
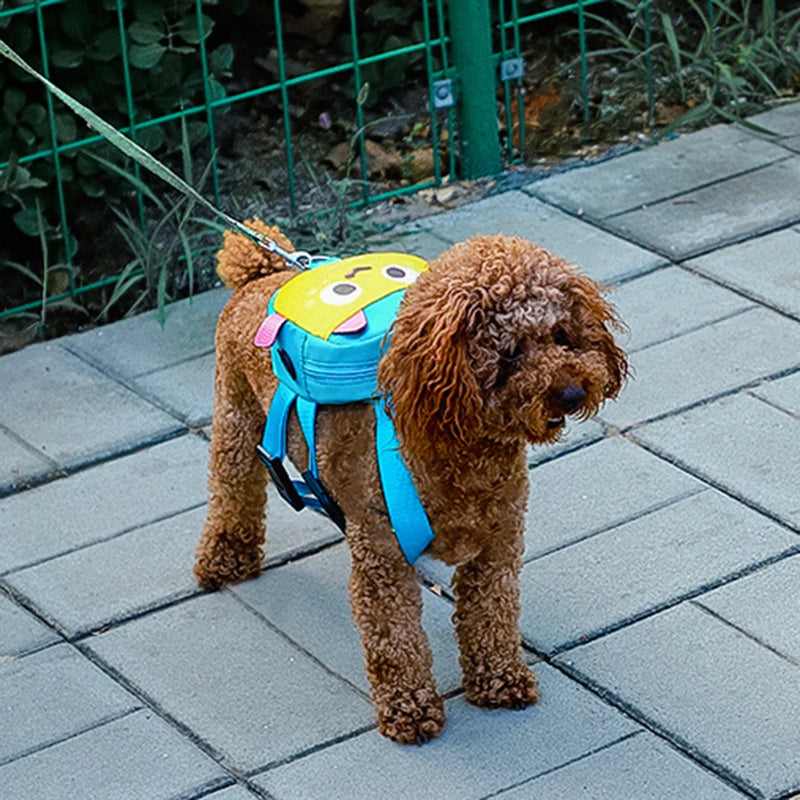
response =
{"points": [[723, 696], [704, 363], [783, 120], [236, 792], [237, 684], [716, 215], [669, 168], [20, 631], [479, 752], [741, 444], [51, 695], [138, 757], [70, 412], [596, 488], [582, 591], [308, 601], [766, 268], [576, 434], [668, 303], [784, 393], [766, 605], [141, 344], [410, 240], [603, 256], [186, 390], [20, 464], [639, 768], [791, 143], [102, 501], [107, 582]]}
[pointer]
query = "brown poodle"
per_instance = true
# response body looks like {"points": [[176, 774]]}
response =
{"points": [[491, 349]]}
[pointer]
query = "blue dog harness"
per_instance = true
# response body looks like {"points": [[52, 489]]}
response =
{"points": [[327, 329]]}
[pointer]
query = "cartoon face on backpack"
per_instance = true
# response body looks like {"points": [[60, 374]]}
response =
{"points": [[332, 297]]}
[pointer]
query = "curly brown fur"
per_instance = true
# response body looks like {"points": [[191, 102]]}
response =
{"points": [[491, 349]]}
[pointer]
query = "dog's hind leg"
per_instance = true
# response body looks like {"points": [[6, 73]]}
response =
{"points": [[387, 609], [487, 627], [232, 545]]}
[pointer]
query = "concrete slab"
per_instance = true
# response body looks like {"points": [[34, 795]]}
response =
{"points": [[604, 257], [594, 586], [102, 501], [479, 753], [186, 390], [721, 695], [765, 605], [410, 239], [720, 214], [70, 412], [669, 303], [641, 767], [783, 393], [766, 269], [141, 344], [783, 120], [20, 631], [703, 363], [51, 695], [218, 669], [669, 168], [20, 464], [236, 792], [741, 444], [596, 488], [308, 601], [138, 757], [113, 580]]}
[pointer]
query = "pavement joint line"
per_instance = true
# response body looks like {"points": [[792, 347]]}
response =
{"points": [[694, 329], [296, 645], [24, 602], [150, 703], [641, 514], [610, 432], [111, 538], [12, 434], [4, 762], [360, 731], [298, 553], [631, 428], [688, 596], [728, 492], [126, 382], [642, 719], [744, 632], [772, 404], [557, 768], [760, 302], [180, 362]]}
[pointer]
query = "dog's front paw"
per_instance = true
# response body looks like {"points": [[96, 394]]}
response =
{"points": [[411, 717], [221, 562], [515, 688]]}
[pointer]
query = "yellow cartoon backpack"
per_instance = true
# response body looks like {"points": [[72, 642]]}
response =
{"points": [[327, 329]]}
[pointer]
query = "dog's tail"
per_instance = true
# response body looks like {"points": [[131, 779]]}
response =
{"points": [[242, 260]]}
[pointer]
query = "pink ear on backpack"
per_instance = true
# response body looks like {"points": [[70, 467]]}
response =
{"points": [[268, 332], [353, 324]]}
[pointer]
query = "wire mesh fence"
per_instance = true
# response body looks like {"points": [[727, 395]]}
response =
{"points": [[188, 79]]}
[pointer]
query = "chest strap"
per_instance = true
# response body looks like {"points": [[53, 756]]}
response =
{"points": [[406, 514]]}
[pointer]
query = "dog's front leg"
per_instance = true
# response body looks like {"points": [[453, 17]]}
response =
{"points": [[231, 547], [387, 609], [487, 626]]}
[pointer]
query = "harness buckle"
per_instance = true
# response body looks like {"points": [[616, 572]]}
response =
{"points": [[329, 506], [283, 483]]}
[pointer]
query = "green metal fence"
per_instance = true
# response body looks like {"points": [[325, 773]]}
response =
{"points": [[467, 54]]}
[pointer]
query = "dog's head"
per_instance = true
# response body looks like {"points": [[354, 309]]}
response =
{"points": [[499, 342]]}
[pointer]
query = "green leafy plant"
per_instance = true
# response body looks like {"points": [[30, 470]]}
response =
{"points": [[719, 60]]}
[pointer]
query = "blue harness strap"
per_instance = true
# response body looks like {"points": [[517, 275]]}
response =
{"points": [[408, 517]]}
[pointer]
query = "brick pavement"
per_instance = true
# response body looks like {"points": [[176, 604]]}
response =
{"points": [[662, 575]]}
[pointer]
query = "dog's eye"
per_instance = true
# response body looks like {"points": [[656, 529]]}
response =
{"points": [[508, 363], [561, 338]]}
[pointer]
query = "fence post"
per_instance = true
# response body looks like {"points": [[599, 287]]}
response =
{"points": [[471, 38]]}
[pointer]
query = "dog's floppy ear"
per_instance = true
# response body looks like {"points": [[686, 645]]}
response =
{"points": [[597, 318], [426, 374]]}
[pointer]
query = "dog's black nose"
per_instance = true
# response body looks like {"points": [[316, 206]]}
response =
{"points": [[570, 398]]}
